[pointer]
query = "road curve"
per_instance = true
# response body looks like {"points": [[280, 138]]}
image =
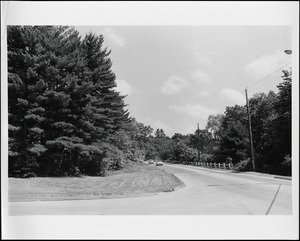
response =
{"points": [[207, 192]]}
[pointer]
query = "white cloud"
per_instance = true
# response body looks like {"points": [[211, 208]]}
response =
{"points": [[194, 110], [174, 84], [124, 87], [204, 93], [233, 95], [115, 38], [203, 59], [201, 77], [267, 64], [202, 53]]}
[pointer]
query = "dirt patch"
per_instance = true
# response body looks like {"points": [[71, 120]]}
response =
{"points": [[137, 181]]}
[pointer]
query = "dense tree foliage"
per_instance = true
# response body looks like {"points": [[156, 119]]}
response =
{"points": [[234, 134], [271, 115], [63, 108]]}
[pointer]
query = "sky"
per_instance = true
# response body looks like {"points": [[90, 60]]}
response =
{"points": [[176, 76]]}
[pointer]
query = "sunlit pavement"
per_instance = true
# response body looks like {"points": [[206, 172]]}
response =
{"points": [[207, 192]]}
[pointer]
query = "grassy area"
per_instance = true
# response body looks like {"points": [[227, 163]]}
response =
{"points": [[133, 181]]}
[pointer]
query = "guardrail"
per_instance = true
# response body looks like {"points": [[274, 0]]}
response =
{"points": [[213, 165]]}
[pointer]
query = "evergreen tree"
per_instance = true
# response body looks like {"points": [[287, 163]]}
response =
{"points": [[25, 61], [62, 102], [106, 109]]}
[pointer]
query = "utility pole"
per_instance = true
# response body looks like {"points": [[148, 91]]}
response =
{"points": [[198, 142], [250, 131]]}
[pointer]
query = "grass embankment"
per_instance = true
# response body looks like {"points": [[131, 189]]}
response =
{"points": [[136, 180]]}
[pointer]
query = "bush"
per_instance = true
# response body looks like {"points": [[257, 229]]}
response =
{"points": [[28, 175], [286, 166], [74, 171], [244, 165], [228, 160], [206, 157], [188, 155]]}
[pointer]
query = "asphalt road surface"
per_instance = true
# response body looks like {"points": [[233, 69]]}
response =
{"points": [[207, 192]]}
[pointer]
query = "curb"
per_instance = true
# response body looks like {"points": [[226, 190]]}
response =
{"points": [[258, 174], [268, 175], [282, 177]]}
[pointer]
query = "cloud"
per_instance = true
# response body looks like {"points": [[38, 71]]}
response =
{"points": [[124, 87], [174, 84], [194, 110], [267, 64], [203, 93], [202, 53], [202, 58], [201, 77], [115, 38], [233, 95]]}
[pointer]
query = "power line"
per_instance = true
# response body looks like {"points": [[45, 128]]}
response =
{"points": [[269, 75], [259, 81], [242, 92]]}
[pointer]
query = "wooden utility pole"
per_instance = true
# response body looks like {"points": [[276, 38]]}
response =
{"points": [[250, 131], [198, 142]]}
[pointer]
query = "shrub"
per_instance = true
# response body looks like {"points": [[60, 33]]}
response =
{"points": [[286, 166], [244, 165], [228, 160]]}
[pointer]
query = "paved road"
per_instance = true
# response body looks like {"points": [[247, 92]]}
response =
{"points": [[207, 191]]}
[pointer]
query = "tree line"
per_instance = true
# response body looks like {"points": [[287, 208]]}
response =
{"points": [[225, 139], [67, 119]]}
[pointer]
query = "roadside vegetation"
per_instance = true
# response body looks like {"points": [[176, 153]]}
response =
{"points": [[226, 138], [67, 119]]}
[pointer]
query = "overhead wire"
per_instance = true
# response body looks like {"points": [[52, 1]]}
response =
{"points": [[259, 81], [268, 75], [272, 121], [235, 98]]}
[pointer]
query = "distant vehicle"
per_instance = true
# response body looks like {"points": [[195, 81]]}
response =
{"points": [[150, 161], [159, 163]]}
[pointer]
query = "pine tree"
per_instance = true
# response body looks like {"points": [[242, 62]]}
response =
{"points": [[63, 107], [106, 109], [107, 105], [25, 115]]}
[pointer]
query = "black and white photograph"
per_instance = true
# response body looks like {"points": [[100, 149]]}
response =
{"points": [[150, 120]]}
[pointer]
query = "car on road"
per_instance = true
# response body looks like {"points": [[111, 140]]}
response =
{"points": [[159, 163], [150, 161]]}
